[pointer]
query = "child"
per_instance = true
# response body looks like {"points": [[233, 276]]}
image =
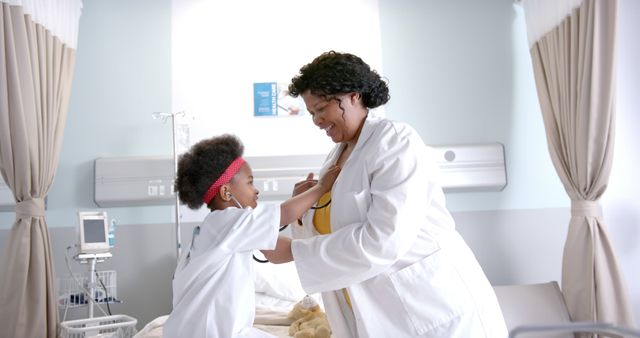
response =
{"points": [[213, 287]]}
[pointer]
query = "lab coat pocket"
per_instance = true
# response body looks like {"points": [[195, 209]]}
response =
{"points": [[432, 292]]}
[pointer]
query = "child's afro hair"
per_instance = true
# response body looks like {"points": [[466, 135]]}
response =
{"points": [[199, 167]]}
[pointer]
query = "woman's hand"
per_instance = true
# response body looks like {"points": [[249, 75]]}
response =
{"points": [[327, 180], [304, 185]]}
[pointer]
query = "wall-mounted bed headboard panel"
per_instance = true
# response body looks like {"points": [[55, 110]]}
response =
{"points": [[133, 181]]}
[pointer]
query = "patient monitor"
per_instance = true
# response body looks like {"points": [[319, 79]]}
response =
{"points": [[93, 232]]}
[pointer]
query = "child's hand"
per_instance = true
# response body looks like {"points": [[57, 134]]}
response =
{"points": [[304, 185], [326, 181]]}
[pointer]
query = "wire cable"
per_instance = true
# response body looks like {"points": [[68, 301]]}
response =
{"points": [[106, 293], [82, 287], [66, 307]]}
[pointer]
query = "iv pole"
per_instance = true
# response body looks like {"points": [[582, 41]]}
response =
{"points": [[164, 117]]}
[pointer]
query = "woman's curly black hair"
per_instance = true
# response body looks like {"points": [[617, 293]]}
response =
{"points": [[334, 73], [202, 165]]}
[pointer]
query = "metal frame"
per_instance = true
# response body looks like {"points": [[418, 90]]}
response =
{"points": [[576, 327]]}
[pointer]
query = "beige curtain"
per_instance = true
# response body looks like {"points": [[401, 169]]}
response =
{"points": [[35, 83], [575, 75]]}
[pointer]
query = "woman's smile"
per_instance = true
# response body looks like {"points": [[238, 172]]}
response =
{"points": [[329, 130]]}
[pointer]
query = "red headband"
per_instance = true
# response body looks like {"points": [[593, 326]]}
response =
{"points": [[225, 178]]}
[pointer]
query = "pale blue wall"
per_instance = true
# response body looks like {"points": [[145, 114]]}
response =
{"points": [[122, 75], [459, 73]]}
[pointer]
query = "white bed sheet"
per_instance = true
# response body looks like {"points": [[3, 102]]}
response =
{"points": [[277, 290], [269, 319]]}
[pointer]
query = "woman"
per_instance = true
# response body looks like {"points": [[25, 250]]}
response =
{"points": [[381, 246]]}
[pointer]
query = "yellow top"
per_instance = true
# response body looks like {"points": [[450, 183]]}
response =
{"points": [[322, 223], [322, 217]]}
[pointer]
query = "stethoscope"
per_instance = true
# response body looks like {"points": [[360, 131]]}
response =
{"points": [[286, 225], [196, 230], [282, 227], [240, 206]]}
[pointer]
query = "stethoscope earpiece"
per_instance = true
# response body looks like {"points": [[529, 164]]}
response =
{"points": [[234, 200]]}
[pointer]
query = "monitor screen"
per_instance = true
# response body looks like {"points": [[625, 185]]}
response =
{"points": [[93, 232]]}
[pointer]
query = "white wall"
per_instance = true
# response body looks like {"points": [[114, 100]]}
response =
{"points": [[220, 49], [620, 202]]}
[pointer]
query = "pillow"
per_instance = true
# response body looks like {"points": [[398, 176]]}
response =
{"points": [[278, 280]]}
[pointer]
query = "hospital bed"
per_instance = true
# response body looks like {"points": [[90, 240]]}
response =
{"points": [[277, 290], [272, 321], [539, 311], [530, 310]]}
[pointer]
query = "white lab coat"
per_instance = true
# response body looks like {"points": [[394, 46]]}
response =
{"points": [[394, 247], [213, 290]]}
